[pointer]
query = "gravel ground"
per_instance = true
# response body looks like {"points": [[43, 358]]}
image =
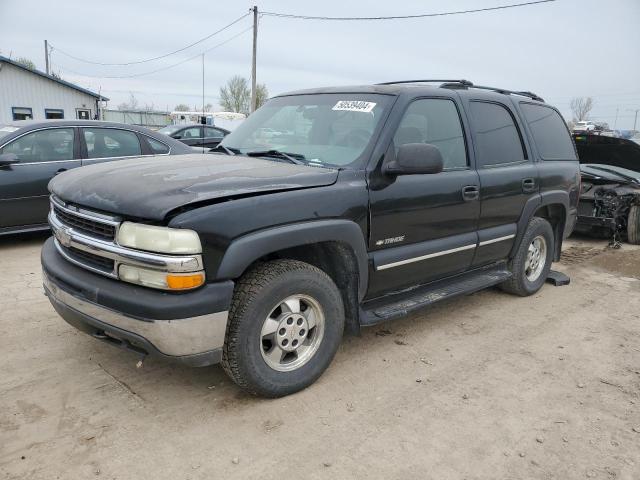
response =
{"points": [[484, 387]]}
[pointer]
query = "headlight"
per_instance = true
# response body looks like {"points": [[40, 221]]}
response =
{"points": [[159, 279], [158, 239]]}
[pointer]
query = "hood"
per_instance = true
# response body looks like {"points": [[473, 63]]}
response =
{"points": [[150, 188], [599, 173], [604, 150]]}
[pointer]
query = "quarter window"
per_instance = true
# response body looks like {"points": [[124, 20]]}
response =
{"points": [[497, 138], [157, 147], [435, 121], [110, 142], [549, 132], [20, 113], [54, 144]]}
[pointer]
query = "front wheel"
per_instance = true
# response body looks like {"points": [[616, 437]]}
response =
{"points": [[531, 264], [285, 325]]}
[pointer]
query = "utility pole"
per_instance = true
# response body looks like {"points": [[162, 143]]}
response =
{"points": [[253, 61], [202, 119], [635, 120], [46, 56]]}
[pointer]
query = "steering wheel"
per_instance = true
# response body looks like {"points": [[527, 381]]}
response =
{"points": [[355, 139]]}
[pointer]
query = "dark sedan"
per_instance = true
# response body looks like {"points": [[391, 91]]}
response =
{"points": [[33, 152], [196, 135]]}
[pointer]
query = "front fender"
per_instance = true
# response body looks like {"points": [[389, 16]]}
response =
{"points": [[245, 250]]}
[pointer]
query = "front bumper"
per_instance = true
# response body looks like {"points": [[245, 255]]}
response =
{"points": [[188, 327]]}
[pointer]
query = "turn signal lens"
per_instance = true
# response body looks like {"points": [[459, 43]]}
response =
{"points": [[159, 279], [183, 282]]}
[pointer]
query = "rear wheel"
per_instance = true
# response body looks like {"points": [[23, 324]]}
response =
{"points": [[285, 325], [531, 264], [633, 225]]}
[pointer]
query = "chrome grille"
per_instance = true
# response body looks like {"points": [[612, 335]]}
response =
{"points": [[95, 261], [84, 224]]}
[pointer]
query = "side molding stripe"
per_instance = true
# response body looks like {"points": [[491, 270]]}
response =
{"points": [[425, 257], [496, 240]]}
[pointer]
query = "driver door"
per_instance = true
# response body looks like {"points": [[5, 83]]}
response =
{"points": [[424, 227], [42, 154]]}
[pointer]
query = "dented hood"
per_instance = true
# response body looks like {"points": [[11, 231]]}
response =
{"points": [[150, 188]]}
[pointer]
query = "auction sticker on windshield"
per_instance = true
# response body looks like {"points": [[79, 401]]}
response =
{"points": [[354, 106]]}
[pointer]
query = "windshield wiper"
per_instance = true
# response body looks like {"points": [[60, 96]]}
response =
{"points": [[221, 147], [296, 158]]}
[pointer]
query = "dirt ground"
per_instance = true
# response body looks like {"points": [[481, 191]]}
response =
{"points": [[484, 387]]}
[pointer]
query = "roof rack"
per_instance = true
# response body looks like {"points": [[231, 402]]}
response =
{"points": [[467, 84], [461, 82]]}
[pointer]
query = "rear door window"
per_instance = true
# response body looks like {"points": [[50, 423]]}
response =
{"points": [[498, 141], [111, 142], [549, 132]]}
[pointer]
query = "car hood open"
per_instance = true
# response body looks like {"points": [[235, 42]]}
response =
{"points": [[150, 188]]}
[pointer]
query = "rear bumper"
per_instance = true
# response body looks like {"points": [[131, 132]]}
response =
{"points": [[187, 327]]}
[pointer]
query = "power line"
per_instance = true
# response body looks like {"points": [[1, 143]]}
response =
{"points": [[154, 58], [163, 68], [402, 17]]}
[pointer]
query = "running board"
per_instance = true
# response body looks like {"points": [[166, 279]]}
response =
{"points": [[402, 303]]}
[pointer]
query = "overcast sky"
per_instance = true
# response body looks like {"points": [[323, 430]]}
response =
{"points": [[558, 50]]}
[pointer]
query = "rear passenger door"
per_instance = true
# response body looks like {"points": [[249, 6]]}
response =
{"points": [[105, 144], [508, 176]]}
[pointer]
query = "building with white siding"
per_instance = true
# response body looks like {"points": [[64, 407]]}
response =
{"points": [[27, 94]]}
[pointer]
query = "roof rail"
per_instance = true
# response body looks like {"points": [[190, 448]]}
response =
{"points": [[504, 91], [466, 83]]}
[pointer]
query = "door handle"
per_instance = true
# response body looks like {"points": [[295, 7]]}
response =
{"points": [[528, 185], [470, 192], [60, 171]]}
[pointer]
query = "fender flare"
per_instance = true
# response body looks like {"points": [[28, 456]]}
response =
{"points": [[247, 249], [532, 205]]}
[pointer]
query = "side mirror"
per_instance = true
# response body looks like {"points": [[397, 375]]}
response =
{"points": [[415, 159], [177, 136], [7, 159]]}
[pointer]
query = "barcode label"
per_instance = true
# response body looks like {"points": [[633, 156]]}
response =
{"points": [[354, 106]]}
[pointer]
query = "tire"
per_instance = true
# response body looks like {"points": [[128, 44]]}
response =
{"points": [[255, 355], [633, 225], [527, 280]]}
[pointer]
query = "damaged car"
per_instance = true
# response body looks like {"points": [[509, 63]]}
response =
{"points": [[610, 192]]}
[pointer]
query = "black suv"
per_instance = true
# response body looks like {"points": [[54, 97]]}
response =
{"points": [[361, 205]]}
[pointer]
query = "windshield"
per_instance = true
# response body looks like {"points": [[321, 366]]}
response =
{"points": [[169, 129], [6, 130], [320, 129]]}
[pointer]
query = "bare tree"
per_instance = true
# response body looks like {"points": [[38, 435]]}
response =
{"points": [[25, 62], [262, 94], [132, 104], [208, 107], [580, 107], [181, 108], [235, 95]]}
